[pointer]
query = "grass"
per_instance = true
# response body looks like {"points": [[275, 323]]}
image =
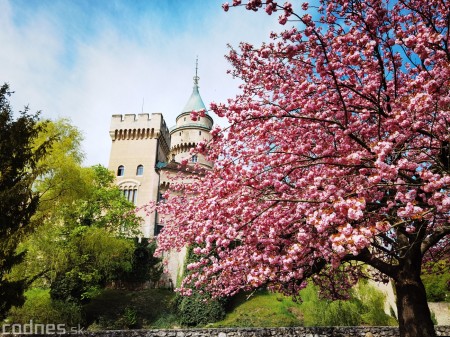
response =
{"points": [[261, 309]]}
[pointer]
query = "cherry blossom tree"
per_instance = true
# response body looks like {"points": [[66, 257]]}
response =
{"points": [[336, 162]]}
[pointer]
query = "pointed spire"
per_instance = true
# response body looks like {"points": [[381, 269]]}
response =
{"points": [[196, 78], [195, 102]]}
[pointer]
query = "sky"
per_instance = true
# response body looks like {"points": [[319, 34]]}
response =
{"points": [[86, 60]]}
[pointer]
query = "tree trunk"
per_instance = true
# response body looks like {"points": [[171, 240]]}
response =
{"points": [[414, 316]]}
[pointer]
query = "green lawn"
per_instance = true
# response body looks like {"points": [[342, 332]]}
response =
{"points": [[261, 309]]}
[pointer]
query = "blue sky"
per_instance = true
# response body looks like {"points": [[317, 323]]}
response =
{"points": [[87, 60]]}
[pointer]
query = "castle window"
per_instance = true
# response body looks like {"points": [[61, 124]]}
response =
{"points": [[140, 170], [180, 133], [199, 133], [120, 171], [158, 229], [185, 119], [130, 195], [194, 158]]}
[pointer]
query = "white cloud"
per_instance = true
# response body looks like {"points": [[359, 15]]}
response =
{"points": [[110, 72]]}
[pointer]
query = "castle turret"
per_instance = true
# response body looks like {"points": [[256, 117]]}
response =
{"points": [[187, 133]]}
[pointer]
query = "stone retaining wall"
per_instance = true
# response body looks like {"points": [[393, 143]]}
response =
{"points": [[265, 332], [252, 332]]}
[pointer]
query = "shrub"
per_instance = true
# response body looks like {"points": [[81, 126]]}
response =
{"points": [[40, 308], [365, 306], [436, 279], [199, 309]]}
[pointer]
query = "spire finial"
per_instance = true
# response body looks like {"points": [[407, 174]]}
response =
{"points": [[196, 78]]}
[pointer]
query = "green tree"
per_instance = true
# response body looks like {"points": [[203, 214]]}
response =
{"points": [[84, 243], [94, 257], [64, 179], [83, 222], [18, 172]]}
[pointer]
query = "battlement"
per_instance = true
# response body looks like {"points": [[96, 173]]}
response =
{"points": [[143, 120], [140, 126]]}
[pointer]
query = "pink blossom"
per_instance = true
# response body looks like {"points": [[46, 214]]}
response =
{"points": [[334, 155]]}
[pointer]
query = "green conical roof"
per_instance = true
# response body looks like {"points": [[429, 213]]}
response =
{"points": [[195, 101]]}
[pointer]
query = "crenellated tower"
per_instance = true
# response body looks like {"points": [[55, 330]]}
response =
{"points": [[138, 143]]}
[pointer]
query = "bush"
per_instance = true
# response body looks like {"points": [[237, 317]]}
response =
{"points": [[125, 309], [364, 307], [145, 266], [40, 308], [436, 279], [199, 309], [373, 306]]}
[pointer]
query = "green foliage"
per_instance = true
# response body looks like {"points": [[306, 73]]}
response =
{"points": [[63, 179], [39, 308], [145, 266], [372, 309], [129, 318], [94, 257], [123, 309], [436, 279], [19, 201], [199, 309], [84, 221], [364, 307], [101, 205]]}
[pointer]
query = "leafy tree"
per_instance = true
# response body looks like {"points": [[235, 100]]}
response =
{"points": [[86, 244], [64, 180], [18, 172], [94, 257], [82, 223], [337, 156]]}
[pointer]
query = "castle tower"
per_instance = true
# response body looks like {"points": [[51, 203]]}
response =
{"points": [[184, 136], [187, 133], [138, 143]]}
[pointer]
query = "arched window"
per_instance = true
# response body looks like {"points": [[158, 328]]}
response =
{"points": [[120, 171], [130, 194], [199, 133], [140, 170], [194, 158]]}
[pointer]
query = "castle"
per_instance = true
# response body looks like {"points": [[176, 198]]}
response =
{"points": [[144, 151]]}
